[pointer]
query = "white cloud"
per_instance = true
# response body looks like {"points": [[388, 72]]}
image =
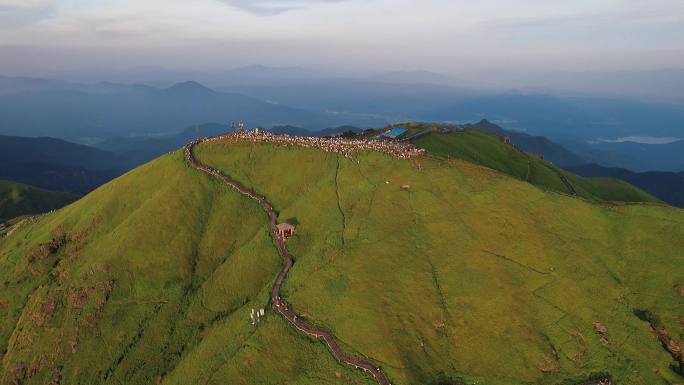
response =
{"points": [[15, 13], [427, 34], [274, 7], [25, 4], [643, 140]]}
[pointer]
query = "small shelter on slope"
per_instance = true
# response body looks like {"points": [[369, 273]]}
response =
{"points": [[285, 230]]}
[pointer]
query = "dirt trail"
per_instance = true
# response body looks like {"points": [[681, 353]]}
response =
{"points": [[277, 302]]}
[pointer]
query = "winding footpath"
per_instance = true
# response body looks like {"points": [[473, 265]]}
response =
{"points": [[278, 304]]}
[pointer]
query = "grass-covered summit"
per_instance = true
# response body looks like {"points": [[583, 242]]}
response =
{"points": [[464, 275]]}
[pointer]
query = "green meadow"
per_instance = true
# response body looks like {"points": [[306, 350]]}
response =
{"points": [[488, 150], [153, 283], [469, 276]]}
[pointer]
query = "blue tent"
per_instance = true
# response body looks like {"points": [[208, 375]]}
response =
{"points": [[394, 133]]}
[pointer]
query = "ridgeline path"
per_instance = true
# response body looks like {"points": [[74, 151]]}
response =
{"points": [[277, 302], [279, 305]]}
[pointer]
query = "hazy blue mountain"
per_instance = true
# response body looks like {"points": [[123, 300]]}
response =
{"points": [[555, 117], [416, 77], [165, 77], [55, 164], [663, 85], [668, 186], [16, 149], [57, 177], [141, 149], [560, 117], [631, 155], [370, 97], [300, 98], [553, 152], [259, 74], [107, 110], [13, 85]]}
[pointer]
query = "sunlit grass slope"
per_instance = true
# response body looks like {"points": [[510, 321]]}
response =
{"points": [[486, 149], [470, 275], [18, 199], [150, 279]]}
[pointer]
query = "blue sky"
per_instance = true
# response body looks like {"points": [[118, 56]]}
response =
{"points": [[439, 35]]}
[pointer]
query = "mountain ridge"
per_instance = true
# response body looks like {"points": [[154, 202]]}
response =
{"points": [[56, 164], [668, 186], [92, 111], [165, 259]]}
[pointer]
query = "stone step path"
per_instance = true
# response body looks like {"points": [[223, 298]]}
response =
{"points": [[278, 304]]}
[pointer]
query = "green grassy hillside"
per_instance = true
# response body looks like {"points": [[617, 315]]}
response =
{"points": [[488, 150], [468, 276], [150, 279], [19, 199]]}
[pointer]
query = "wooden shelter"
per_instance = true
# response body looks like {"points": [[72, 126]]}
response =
{"points": [[285, 230]]}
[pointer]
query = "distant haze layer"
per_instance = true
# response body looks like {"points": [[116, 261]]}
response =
{"points": [[452, 36]]}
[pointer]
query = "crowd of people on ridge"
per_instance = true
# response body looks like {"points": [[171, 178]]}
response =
{"points": [[338, 145]]}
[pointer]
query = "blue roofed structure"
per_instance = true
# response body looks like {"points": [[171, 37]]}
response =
{"points": [[394, 133]]}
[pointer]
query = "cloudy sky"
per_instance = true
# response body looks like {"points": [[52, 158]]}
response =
{"points": [[438, 35]]}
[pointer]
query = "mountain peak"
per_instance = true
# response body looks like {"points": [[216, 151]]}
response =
{"points": [[190, 86]]}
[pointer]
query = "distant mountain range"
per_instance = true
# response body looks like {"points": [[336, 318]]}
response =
{"points": [[268, 97], [668, 186], [425, 96], [631, 155], [59, 165], [33, 107], [666, 85], [17, 149], [137, 150], [55, 164], [558, 118], [388, 97], [532, 144], [134, 124]]}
